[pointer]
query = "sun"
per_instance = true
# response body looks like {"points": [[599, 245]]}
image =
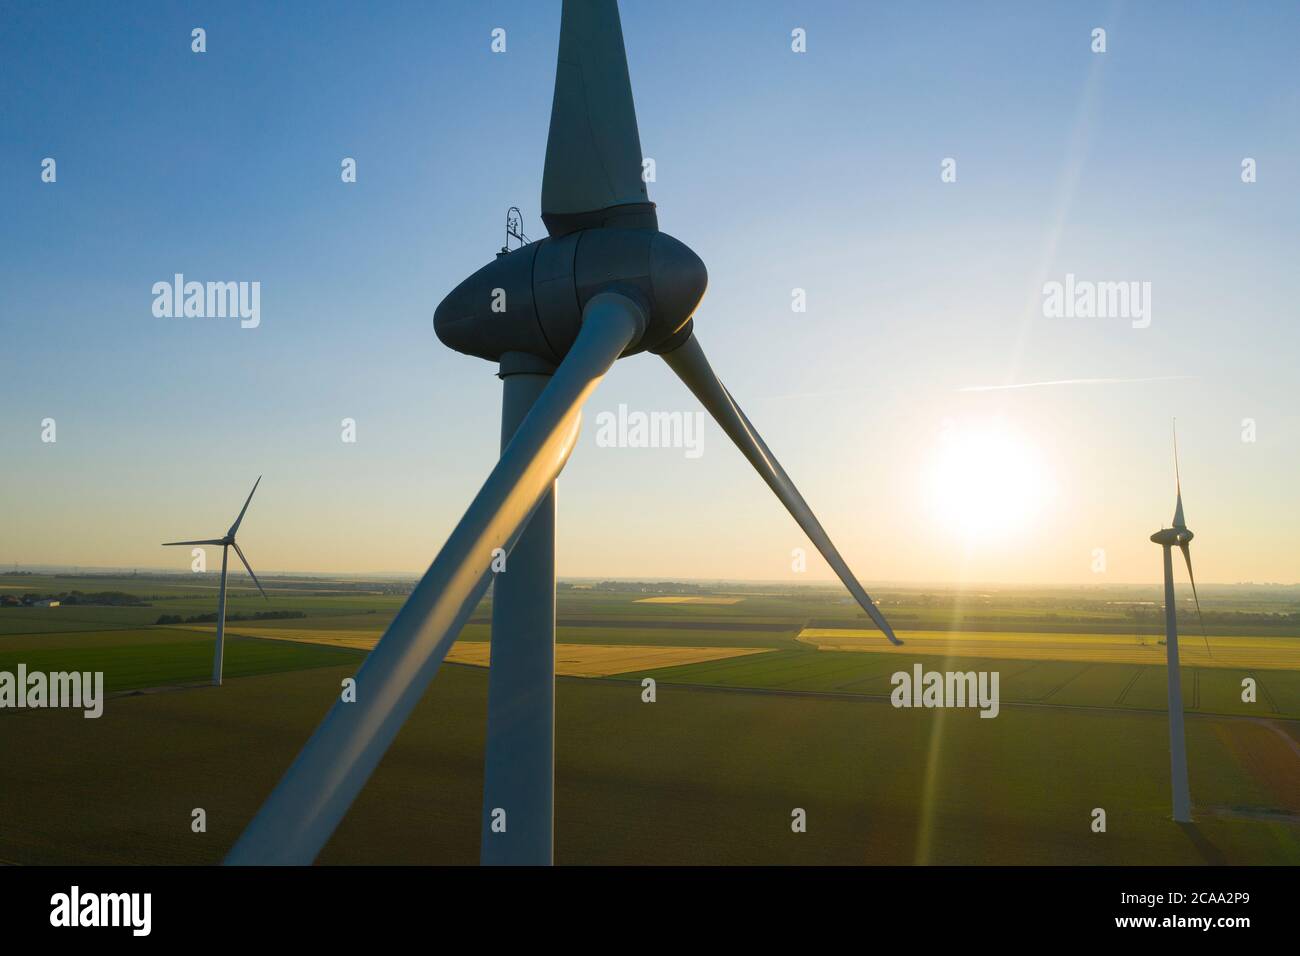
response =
{"points": [[987, 482]]}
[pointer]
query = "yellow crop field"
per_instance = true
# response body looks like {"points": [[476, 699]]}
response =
{"points": [[571, 660], [1279, 653], [605, 660], [685, 599], [358, 640]]}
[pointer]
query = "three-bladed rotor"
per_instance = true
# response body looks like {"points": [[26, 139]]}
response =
{"points": [[1179, 536], [228, 540], [605, 239], [604, 284]]}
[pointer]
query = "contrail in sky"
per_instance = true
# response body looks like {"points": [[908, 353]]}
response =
{"points": [[1074, 381]]}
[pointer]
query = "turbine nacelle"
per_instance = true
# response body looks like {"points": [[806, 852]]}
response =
{"points": [[532, 299], [1172, 537]]}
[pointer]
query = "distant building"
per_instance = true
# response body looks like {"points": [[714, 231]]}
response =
{"points": [[48, 602]]}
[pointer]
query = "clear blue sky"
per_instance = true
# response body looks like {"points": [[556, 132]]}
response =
{"points": [[781, 170]]}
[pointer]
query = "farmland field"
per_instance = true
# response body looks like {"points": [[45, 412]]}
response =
{"points": [[604, 660], [672, 599], [152, 657], [571, 660], [1282, 653], [753, 717], [703, 776]]}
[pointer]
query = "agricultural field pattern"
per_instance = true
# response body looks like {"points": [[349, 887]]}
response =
{"points": [[761, 699]]}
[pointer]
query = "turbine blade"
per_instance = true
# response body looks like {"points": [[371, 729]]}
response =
{"points": [[172, 544], [1179, 521], [316, 791], [688, 361], [235, 527], [593, 150], [1187, 556], [248, 567]]}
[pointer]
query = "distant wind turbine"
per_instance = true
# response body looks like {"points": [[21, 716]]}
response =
{"points": [[1180, 536], [226, 543]]}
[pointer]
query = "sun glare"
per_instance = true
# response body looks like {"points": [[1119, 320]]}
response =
{"points": [[987, 483]]}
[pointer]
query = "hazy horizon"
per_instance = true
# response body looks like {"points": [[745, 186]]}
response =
{"points": [[820, 582]]}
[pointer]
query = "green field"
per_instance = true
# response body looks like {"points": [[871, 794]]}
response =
{"points": [[1127, 686], [707, 774], [160, 656], [1018, 789]]}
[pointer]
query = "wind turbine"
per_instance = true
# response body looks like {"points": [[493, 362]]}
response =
{"points": [[555, 315], [226, 543], [1179, 536]]}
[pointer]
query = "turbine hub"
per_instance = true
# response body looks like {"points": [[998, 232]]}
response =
{"points": [[1171, 537], [531, 300]]}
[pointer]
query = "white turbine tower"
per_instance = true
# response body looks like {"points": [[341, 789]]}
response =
{"points": [[226, 543], [605, 283], [1179, 536]]}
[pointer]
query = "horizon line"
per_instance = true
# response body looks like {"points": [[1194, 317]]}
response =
{"points": [[413, 576]]}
